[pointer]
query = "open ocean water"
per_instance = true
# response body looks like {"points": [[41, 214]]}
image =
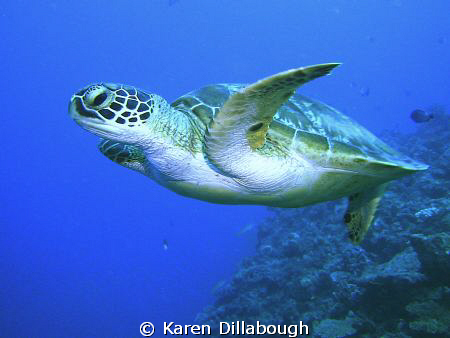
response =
{"points": [[91, 249]]}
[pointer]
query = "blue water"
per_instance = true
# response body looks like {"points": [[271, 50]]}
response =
{"points": [[81, 238]]}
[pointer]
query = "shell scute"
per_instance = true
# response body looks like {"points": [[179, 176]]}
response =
{"points": [[308, 127]]}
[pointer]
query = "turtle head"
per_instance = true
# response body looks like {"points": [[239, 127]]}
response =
{"points": [[115, 112]]}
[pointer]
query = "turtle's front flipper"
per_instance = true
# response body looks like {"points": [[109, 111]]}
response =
{"points": [[242, 123], [124, 154], [361, 211]]}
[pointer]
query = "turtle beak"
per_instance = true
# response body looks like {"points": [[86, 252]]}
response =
{"points": [[89, 120], [78, 111]]}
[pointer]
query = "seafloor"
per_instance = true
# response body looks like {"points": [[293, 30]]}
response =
{"points": [[395, 284]]}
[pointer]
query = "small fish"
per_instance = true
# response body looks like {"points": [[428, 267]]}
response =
{"points": [[244, 229], [218, 286], [420, 116], [364, 91], [371, 39], [165, 245]]}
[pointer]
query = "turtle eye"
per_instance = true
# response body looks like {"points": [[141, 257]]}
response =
{"points": [[99, 99], [96, 96]]}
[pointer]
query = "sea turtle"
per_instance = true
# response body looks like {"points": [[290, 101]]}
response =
{"points": [[246, 144]]}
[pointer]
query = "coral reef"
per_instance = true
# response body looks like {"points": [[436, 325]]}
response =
{"points": [[335, 328], [395, 284]]}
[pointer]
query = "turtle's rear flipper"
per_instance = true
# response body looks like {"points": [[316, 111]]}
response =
{"points": [[361, 211]]}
